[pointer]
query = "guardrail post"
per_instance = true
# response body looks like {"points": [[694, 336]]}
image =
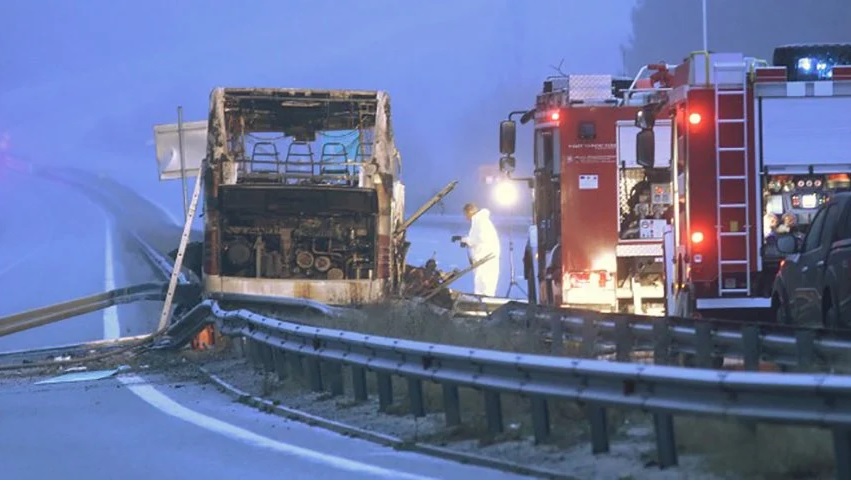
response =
{"points": [[599, 429], [662, 346], [666, 446], [557, 334], [359, 383], [703, 345], [266, 358], [314, 374], [540, 419], [452, 404], [842, 452], [280, 360], [531, 315], [493, 411], [335, 378], [385, 391], [750, 347], [805, 347], [296, 366], [623, 342], [589, 338], [415, 397], [254, 356], [239, 346]]}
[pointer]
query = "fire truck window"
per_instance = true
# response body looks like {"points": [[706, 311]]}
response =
{"points": [[813, 239], [587, 130], [546, 151], [843, 230]]}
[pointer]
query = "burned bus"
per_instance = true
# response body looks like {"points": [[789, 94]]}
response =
{"points": [[302, 196]]}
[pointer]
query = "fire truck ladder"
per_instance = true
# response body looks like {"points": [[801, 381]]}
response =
{"points": [[734, 177]]}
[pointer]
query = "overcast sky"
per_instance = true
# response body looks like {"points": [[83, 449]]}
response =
{"points": [[84, 81]]}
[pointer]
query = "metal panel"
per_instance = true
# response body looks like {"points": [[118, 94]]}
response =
{"points": [[342, 292], [79, 376], [167, 143], [626, 133], [734, 303], [639, 249], [701, 69], [801, 131]]}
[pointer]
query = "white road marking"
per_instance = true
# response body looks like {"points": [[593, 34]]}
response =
{"points": [[111, 326], [21, 260], [160, 401], [165, 404]]}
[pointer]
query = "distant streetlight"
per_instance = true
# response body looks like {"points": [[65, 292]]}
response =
{"points": [[505, 193]]}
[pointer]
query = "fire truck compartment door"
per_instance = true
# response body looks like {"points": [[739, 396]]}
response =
{"points": [[799, 132], [626, 143]]}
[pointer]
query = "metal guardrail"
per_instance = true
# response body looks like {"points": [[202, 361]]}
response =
{"points": [[804, 399], [163, 265], [46, 315], [799, 347]]}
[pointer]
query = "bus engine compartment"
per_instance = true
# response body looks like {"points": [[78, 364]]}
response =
{"points": [[302, 196], [297, 232]]}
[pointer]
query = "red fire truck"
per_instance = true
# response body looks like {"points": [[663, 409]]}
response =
{"points": [[752, 148], [581, 186]]}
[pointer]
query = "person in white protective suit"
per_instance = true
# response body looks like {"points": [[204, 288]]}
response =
{"points": [[481, 241]]}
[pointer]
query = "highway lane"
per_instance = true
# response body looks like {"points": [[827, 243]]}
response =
{"points": [[55, 245], [129, 428]]}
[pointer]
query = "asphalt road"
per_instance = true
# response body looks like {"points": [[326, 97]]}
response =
{"points": [[143, 425], [57, 245], [130, 428]]}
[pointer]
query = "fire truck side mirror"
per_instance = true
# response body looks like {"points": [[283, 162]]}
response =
{"points": [[507, 164], [645, 144], [507, 137], [645, 118]]}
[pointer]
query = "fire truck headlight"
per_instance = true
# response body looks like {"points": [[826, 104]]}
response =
{"points": [[694, 118]]}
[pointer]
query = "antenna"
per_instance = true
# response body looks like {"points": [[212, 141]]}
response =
{"points": [[705, 34]]}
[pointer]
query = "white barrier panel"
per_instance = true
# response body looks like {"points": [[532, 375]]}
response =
{"points": [[167, 143]]}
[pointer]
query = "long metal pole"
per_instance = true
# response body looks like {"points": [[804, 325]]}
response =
{"points": [[705, 33], [182, 159]]}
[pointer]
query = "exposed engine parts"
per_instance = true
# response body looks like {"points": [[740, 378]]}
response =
{"points": [[316, 247], [647, 201]]}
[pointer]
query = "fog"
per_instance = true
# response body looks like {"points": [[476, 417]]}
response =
{"points": [[84, 82], [90, 79]]}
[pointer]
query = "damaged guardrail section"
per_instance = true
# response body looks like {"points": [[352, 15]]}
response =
{"points": [[84, 305], [806, 399]]}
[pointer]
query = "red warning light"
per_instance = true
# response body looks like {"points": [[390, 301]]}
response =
{"points": [[697, 237], [694, 118], [554, 116]]}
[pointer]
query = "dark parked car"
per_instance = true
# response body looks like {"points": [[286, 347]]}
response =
{"points": [[813, 285]]}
